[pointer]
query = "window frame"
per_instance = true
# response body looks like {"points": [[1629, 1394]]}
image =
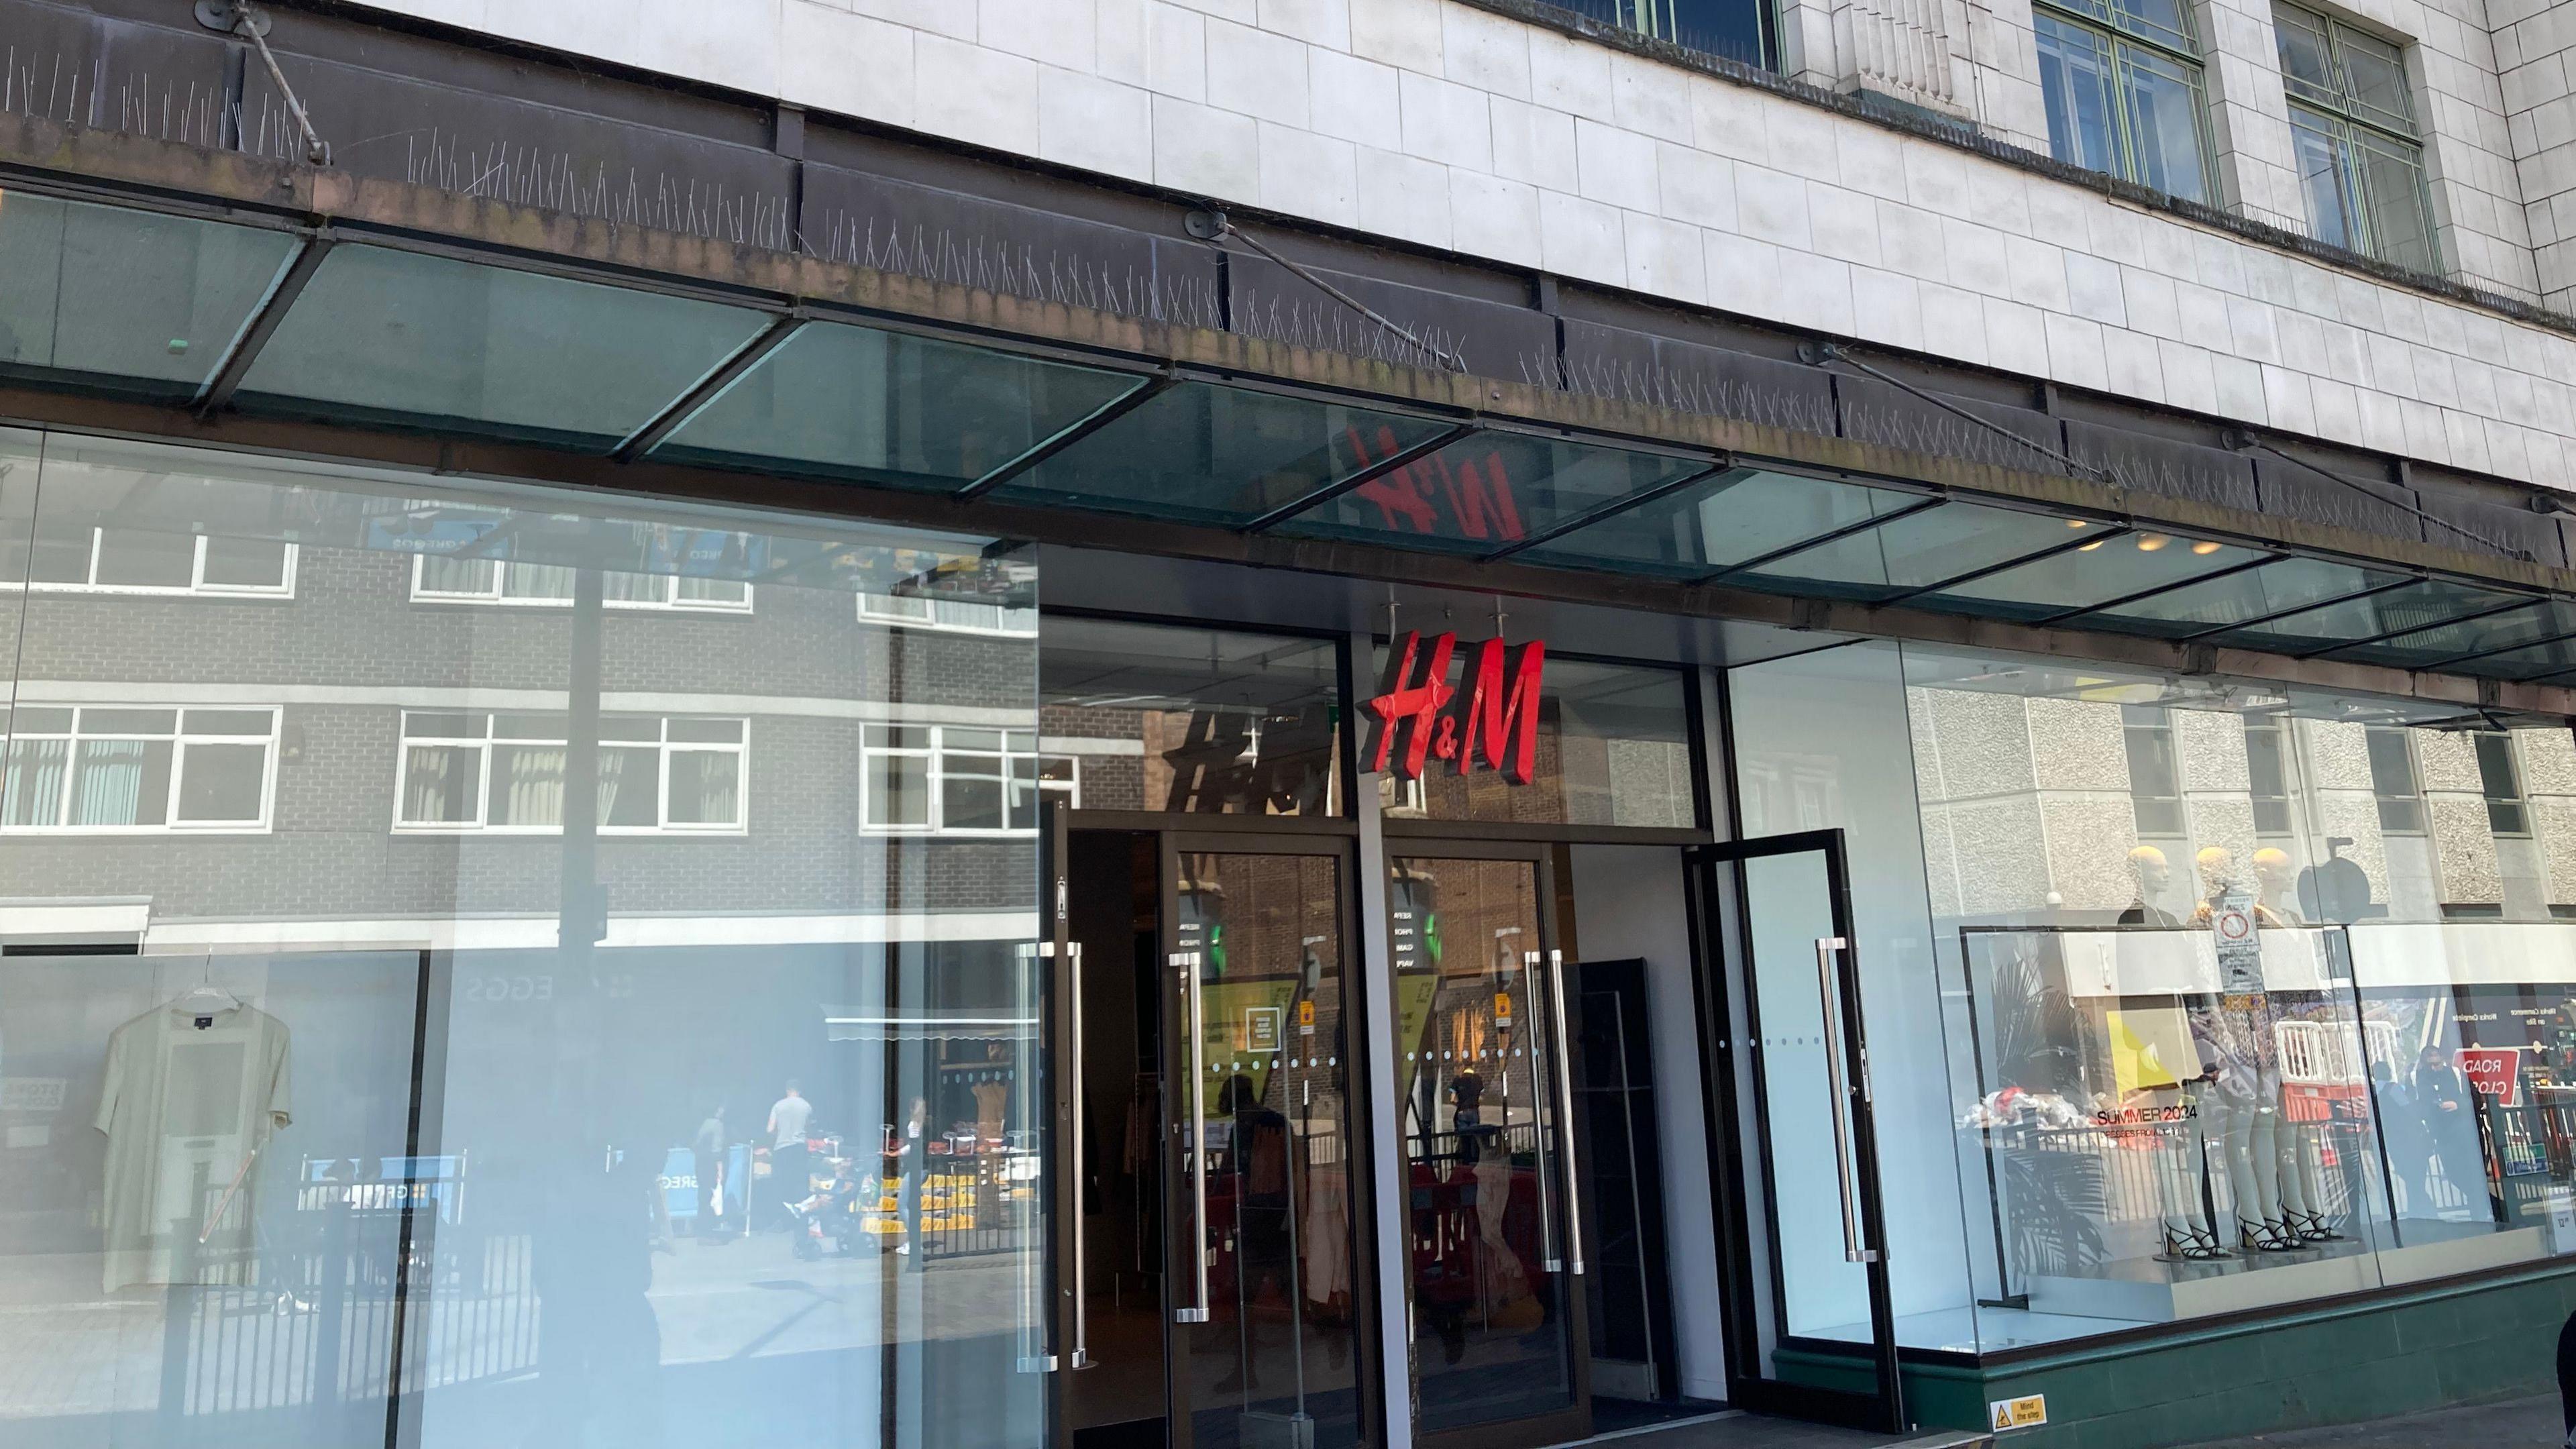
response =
{"points": [[2124, 35], [195, 588], [483, 747], [936, 775], [180, 738], [2131, 726], [2345, 120], [929, 618], [2414, 797], [2277, 730], [2517, 803], [497, 596]]}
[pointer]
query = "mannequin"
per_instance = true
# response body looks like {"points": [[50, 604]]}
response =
{"points": [[2153, 874], [2302, 1202], [2240, 1100], [2276, 888]]}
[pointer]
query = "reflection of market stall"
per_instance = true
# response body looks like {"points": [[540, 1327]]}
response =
{"points": [[969, 1183]]}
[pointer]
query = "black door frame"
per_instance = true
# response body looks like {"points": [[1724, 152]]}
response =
{"points": [[1716, 896], [1332, 839], [1420, 842]]}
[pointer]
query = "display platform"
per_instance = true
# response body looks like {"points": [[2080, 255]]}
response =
{"points": [[2147, 1291]]}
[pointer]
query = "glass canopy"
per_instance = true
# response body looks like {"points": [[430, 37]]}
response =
{"points": [[385, 331]]}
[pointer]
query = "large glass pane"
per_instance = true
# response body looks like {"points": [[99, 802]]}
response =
{"points": [[431, 341], [1490, 490], [2542, 620], [2419, 605], [2394, 199], [497, 1025], [1277, 1345], [889, 407], [2164, 113], [2075, 85], [2374, 74], [1915, 551], [1610, 745], [2115, 568], [2318, 147], [1493, 1339], [1224, 455], [1718, 523], [125, 299], [2278, 587], [1202, 721], [2307, 59]]}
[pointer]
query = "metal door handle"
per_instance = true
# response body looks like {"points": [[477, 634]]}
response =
{"points": [[1554, 1260], [1831, 1000], [1188, 961], [1038, 1333], [1565, 1109], [1081, 1257]]}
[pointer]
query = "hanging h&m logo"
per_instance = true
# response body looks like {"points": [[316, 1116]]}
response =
{"points": [[1497, 711]]}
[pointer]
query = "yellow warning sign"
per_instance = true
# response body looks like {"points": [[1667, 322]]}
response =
{"points": [[1502, 1008], [2023, 1413]]}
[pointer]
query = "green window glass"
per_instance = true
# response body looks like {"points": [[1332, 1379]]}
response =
{"points": [[2122, 83], [2353, 135]]}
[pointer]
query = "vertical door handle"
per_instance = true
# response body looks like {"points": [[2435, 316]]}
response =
{"points": [[1830, 998], [1565, 1110], [1543, 1089], [1081, 1252], [1192, 985]]}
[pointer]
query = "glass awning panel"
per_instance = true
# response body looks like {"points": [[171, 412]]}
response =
{"points": [[2544, 660], [125, 301], [2466, 638], [2421, 604], [1490, 491], [414, 340], [1720, 522], [2091, 574], [861, 404], [2283, 586], [1203, 453], [1916, 551]]}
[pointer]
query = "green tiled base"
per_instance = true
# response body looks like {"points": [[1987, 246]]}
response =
{"points": [[2440, 1347]]}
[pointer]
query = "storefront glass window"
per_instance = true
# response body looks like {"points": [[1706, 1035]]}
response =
{"points": [[452, 1025], [1199, 721], [2245, 996], [1612, 747]]}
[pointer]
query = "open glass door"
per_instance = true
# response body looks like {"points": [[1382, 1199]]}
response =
{"points": [[1816, 1334]]}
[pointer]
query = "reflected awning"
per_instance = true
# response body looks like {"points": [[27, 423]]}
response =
{"points": [[392, 331]]}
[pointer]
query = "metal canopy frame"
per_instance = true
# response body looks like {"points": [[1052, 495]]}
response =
{"points": [[1120, 353]]}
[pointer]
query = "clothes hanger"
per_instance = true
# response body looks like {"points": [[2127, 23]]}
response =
{"points": [[206, 998]]}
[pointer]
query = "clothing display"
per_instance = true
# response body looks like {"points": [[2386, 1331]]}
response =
{"points": [[189, 1100]]}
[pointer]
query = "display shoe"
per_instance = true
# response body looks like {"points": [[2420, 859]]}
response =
{"points": [[2192, 1246], [2265, 1237], [2313, 1228]]}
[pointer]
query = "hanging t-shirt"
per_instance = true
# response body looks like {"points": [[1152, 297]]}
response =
{"points": [[185, 1107]]}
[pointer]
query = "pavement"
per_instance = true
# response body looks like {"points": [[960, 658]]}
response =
{"points": [[2518, 1424]]}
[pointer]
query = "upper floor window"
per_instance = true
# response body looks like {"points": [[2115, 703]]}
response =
{"points": [[954, 780], [963, 616], [1729, 28], [88, 559], [2392, 780], [2352, 130], [2267, 771], [2155, 778], [446, 579], [125, 770], [2122, 84], [471, 771], [2501, 781]]}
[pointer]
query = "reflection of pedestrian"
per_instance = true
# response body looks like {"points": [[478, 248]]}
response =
{"points": [[1262, 1166], [913, 1161], [790, 1178], [2401, 1136], [1466, 1092], [709, 1147], [2444, 1105]]}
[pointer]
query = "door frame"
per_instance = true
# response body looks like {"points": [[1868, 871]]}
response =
{"points": [[1736, 1092], [1331, 839], [1574, 1423]]}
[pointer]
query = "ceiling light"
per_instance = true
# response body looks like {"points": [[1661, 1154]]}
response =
{"points": [[2089, 547], [2206, 545], [2150, 542]]}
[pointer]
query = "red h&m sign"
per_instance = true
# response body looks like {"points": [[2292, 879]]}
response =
{"points": [[1496, 713]]}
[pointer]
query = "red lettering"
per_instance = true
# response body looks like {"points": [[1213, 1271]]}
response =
{"points": [[1418, 701], [1506, 715], [1398, 496]]}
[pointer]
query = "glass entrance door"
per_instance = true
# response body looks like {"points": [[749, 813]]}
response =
{"points": [[1481, 1053], [1814, 1332], [1264, 1287]]}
